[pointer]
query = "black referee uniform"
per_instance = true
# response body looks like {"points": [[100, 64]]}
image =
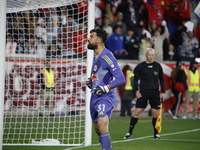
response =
{"points": [[150, 76]]}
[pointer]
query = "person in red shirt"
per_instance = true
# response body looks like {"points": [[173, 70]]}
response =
{"points": [[80, 40], [155, 12], [183, 8]]}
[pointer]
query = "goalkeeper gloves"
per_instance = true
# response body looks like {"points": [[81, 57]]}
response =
{"points": [[99, 90], [89, 83]]}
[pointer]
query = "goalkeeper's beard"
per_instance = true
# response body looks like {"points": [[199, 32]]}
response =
{"points": [[92, 46]]}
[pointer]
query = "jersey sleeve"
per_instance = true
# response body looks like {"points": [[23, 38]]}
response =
{"points": [[161, 78], [111, 64], [136, 78]]}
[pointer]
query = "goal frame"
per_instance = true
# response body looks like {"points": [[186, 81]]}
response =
{"points": [[91, 22], [2, 62]]}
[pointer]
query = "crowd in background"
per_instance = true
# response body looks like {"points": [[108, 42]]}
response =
{"points": [[132, 26]]}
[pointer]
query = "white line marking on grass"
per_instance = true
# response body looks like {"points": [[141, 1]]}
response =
{"points": [[140, 138], [182, 140]]}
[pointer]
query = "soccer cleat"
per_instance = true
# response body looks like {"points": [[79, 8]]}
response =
{"points": [[156, 136], [195, 118], [184, 117], [175, 117], [128, 136], [170, 112]]}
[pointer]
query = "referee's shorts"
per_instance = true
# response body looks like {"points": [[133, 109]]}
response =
{"points": [[153, 96]]}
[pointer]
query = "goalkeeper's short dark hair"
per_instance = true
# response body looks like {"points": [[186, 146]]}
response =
{"points": [[101, 33]]}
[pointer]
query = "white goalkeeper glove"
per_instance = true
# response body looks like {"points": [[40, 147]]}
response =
{"points": [[99, 90]]}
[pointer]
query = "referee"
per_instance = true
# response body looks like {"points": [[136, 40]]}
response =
{"points": [[150, 75]]}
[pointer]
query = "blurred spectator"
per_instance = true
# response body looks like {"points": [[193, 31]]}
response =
{"points": [[115, 42], [22, 24], [8, 22], [144, 44], [197, 35], [106, 26], [131, 45], [53, 23], [27, 47], [126, 92], [183, 9], [158, 39], [31, 17], [10, 45], [15, 31], [155, 12], [171, 54], [152, 27], [119, 18], [33, 44], [177, 75], [80, 40], [66, 38], [53, 52], [132, 19], [81, 11], [20, 46], [99, 8], [41, 31], [171, 17], [193, 89], [111, 8], [73, 24], [187, 51], [63, 15]]}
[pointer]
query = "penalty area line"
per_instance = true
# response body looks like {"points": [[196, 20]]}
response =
{"points": [[140, 138]]}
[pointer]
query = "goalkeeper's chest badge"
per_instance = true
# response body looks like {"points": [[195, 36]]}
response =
{"points": [[95, 67]]}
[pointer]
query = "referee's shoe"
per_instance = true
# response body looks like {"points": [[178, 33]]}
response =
{"points": [[128, 136], [156, 136]]}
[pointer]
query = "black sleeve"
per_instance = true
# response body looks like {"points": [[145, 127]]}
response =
{"points": [[161, 78], [181, 77], [136, 78]]}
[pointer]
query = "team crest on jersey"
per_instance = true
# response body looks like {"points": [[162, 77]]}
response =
{"points": [[155, 73], [94, 77], [95, 67]]}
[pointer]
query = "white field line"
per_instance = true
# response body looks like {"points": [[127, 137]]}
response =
{"points": [[140, 138]]}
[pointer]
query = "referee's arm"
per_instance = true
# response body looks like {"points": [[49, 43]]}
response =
{"points": [[162, 82]]}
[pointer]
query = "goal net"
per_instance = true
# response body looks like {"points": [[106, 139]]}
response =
{"points": [[45, 40]]}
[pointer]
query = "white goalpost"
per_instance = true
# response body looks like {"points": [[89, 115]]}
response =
{"points": [[2, 62], [37, 31]]}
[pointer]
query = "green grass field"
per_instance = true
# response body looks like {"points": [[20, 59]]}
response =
{"points": [[176, 135]]}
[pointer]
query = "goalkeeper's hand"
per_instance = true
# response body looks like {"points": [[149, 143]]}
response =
{"points": [[89, 83], [99, 90]]}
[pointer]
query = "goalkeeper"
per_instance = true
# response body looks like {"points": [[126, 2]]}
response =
{"points": [[150, 74], [105, 76]]}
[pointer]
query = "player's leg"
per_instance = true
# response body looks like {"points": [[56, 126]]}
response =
{"points": [[155, 113], [186, 103], [104, 113], [128, 106], [140, 105], [123, 108], [101, 113], [195, 98], [155, 106], [42, 103], [51, 101]]}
